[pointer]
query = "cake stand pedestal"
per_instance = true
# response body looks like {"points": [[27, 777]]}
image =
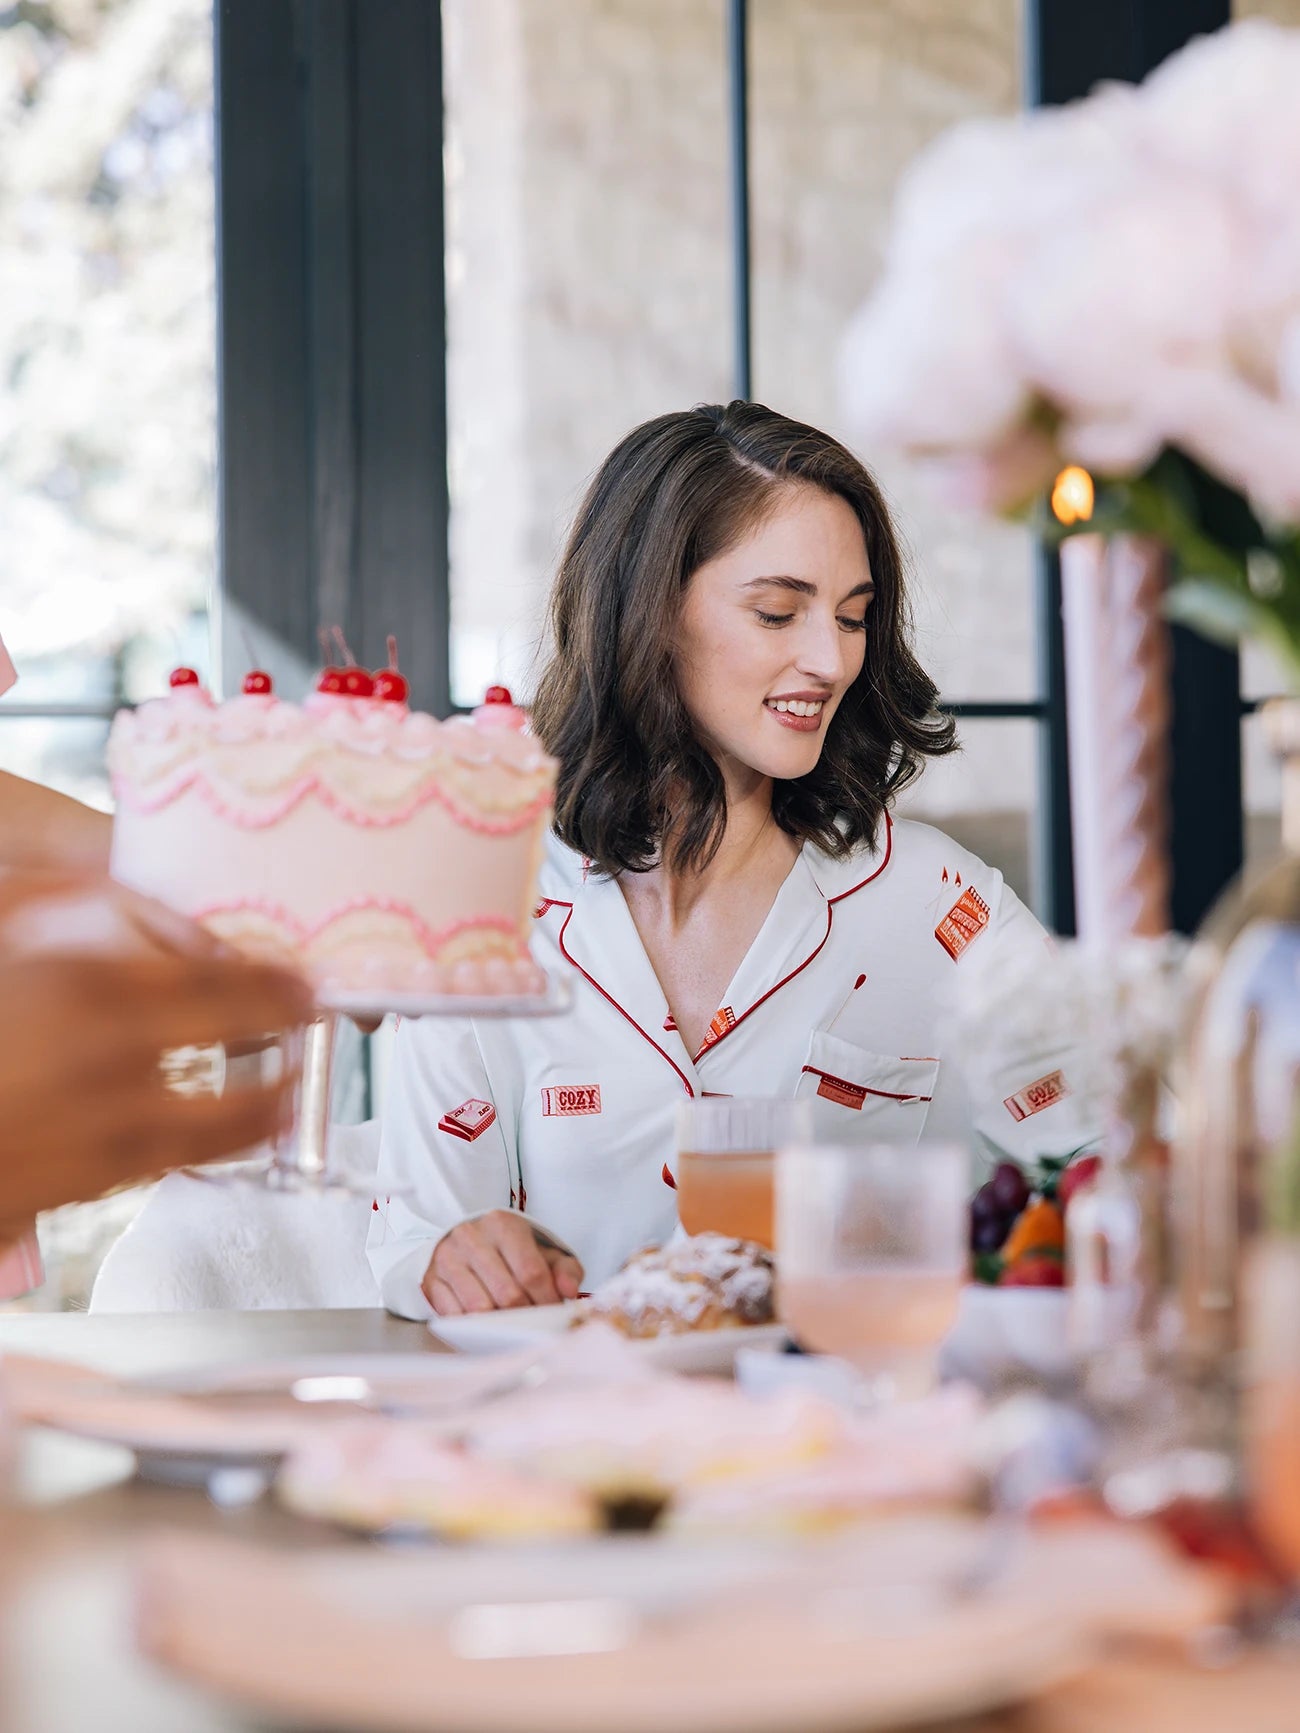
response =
{"points": [[301, 1163]]}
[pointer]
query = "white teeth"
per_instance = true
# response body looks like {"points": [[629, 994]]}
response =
{"points": [[797, 706]]}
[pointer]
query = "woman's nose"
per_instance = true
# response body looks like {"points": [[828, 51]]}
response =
{"points": [[821, 650]]}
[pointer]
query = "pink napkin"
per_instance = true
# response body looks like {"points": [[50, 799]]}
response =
{"points": [[8, 674]]}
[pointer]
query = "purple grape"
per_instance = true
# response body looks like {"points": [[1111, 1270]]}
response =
{"points": [[988, 1235], [989, 1222], [1010, 1187]]}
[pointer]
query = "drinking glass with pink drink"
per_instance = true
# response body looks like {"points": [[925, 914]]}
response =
{"points": [[871, 1249], [725, 1153]]}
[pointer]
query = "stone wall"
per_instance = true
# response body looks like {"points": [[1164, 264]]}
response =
{"points": [[591, 283], [1280, 11]]}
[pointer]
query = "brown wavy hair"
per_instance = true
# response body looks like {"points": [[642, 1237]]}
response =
{"points": [[635, 783]]}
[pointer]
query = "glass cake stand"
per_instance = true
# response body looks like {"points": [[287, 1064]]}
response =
{"points": [[301, 1160]]}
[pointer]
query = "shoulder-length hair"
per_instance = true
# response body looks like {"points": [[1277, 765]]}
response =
{"points": [[635, 783]]}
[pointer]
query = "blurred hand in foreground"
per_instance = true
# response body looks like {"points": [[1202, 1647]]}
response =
{"points": [[83, 1102]]}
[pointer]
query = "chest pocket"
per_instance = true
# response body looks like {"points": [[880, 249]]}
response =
{"points": [[859, 1096]]}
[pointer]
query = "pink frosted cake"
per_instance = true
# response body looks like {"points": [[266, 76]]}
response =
{"points": [[381, 850]]}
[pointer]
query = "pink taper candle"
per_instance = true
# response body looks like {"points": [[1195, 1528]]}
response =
{"points": [[1117, 690]]}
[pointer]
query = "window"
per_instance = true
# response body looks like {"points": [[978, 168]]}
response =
{"points": [[107, 419], [107, 404]]}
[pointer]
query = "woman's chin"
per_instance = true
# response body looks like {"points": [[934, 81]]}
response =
{"points": [[787, 766]]}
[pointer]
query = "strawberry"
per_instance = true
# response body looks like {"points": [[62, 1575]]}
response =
{"points": [[1036, 1269], [1075, 1177]]}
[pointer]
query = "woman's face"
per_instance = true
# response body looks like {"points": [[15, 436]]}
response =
{"points": [[773, 633]]}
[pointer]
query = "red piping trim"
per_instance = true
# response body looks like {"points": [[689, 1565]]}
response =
{"points": [[564, 952], [876, 872], [884, 1094], [712, 1046]]}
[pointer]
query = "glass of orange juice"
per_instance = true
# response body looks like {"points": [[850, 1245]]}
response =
{"points": [[871, 1250], [725, 1152]]}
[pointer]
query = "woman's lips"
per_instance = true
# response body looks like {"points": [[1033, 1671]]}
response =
{"points": [[800, 724]]}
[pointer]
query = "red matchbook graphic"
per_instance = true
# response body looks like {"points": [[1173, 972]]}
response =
{"points": [[1034, 1097], [965, 920], [468, 1121], [837, 1089], [570, 1100]]}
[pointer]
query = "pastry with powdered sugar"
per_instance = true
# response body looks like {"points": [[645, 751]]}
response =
{"points": [[705, 1282]]}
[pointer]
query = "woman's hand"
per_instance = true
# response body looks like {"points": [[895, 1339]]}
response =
{"points": [[62, 911], [83, 1103], [39, 828], [495, 1262]]}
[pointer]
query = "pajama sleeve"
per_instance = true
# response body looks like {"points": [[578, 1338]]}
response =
{"points": [[447, 1151], [1031, 1098]]}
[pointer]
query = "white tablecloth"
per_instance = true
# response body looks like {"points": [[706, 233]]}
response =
{"points": [[198, 1245]]}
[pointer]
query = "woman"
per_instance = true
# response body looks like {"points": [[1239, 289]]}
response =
{"points": [[734, 704]]}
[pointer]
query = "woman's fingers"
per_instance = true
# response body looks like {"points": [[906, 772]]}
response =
{"points": [[528, 1265], [441, 1297], [193, 1001], [566, 1272], [455, 1262], [481, 1240], [165, 928]]}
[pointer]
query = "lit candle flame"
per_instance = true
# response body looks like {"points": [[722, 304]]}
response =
{"points": [[1073, 496]]}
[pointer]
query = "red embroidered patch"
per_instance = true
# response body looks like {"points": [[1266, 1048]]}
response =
{"points": [[965, 920], [846, 1094], [668, 1178], [1034, 1097], [570, 1100], [468, 1121], [854, 1094], [722, 1021]]}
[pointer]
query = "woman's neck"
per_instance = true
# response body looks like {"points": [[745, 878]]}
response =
{"points": [[753, 846]]}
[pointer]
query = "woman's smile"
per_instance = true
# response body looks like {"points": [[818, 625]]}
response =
{"points": [[801, 711]]}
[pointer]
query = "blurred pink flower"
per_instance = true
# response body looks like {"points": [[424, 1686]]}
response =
{"points": [[1130, 263]]}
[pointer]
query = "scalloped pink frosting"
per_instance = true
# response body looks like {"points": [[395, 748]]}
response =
{"points": [[260, 819], [398, 952], [255, 757]]}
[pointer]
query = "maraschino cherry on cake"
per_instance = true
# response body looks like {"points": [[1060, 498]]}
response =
{"points": [[384, 852]]}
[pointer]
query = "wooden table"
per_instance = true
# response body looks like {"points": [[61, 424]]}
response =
{"points": [[69, 1663]]}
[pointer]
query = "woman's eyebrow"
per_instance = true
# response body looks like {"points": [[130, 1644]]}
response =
{"points": [[802, 586]]}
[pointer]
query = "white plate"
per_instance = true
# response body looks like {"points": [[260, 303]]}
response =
{"points": [[186, 1426], [530, 1326], [364, 1002], [1003, 1330], [640, 1637], [1000, 1331]]}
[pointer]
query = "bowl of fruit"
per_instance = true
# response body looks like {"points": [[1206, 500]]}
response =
{"points": [[1013, 1310]]}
